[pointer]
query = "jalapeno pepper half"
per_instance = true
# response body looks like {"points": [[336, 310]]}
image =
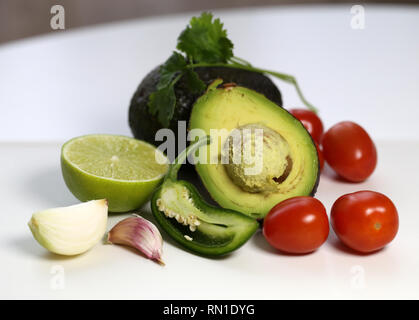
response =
{"points": [[190, 221]]}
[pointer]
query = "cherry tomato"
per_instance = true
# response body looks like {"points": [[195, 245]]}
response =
{"points": [[297, 225], [349, 150], [365, 220], [310, 121], [320, 155]]}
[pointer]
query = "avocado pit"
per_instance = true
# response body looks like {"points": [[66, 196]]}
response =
{"points": [[258, 158]]}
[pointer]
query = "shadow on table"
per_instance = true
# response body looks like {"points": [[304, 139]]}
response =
{"points": [[27, 245], [50, 186], [260, 242]]}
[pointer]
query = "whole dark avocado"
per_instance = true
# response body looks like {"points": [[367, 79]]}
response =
{"points": [[144, 125]]}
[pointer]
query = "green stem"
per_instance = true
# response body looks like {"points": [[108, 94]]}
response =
{"points": [[176, 79], [284, 77], [174, 168], [292, 80], [241, 61]]}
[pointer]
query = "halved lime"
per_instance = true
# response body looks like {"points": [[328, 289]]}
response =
{"points": [[123, 170]]}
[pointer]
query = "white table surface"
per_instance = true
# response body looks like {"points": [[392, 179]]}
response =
{"points": [[76, 82]]}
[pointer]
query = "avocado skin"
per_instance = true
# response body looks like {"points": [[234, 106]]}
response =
{"points": [[316, 184], [144, 125], [259, 216]]}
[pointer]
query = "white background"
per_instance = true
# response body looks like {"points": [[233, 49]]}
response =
{"points": [[75, 82], [71, 83]]}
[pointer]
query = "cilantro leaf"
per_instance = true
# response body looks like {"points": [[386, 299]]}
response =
{"points": [[195, 85], [163, 102], [176, 63], [205, 40]]}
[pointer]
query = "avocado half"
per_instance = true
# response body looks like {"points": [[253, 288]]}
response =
{"points": [[290, 165], [144, 125]]}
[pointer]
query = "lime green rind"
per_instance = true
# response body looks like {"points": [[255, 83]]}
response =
{"points": [[123, 195]]}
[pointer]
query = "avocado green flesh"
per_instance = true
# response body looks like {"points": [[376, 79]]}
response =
{"points": [[225, 109]]}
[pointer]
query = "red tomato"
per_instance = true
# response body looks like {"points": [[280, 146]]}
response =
{"points": [[320, 155], [310, 121], [365, 220], [349, 150], [297, 225]]}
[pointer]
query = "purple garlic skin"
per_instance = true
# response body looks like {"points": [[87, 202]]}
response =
{"points": [[138, 233]]}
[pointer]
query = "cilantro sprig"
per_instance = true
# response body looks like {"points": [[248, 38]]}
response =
{"points": [[204, 43], [205, 40]]}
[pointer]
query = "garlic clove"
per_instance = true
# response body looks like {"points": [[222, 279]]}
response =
{"points": [[140, 234], [70, 230]]}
